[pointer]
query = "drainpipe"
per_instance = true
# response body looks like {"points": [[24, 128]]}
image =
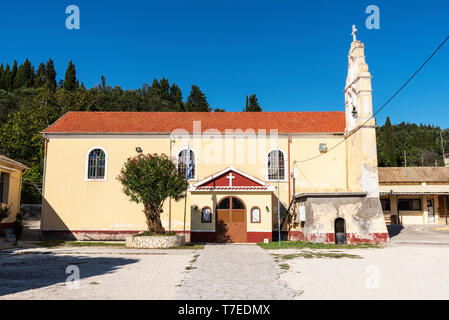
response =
{"points": [[46, 140], [289, 169], [445, 208], [169, 199]]}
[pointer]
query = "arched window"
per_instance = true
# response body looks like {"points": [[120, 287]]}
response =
{"points": [[96, 164], [255, 215], [182, 163], [206, 215], [276, 164]]}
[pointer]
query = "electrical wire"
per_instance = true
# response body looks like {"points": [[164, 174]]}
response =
{"points": [[380, 109]]}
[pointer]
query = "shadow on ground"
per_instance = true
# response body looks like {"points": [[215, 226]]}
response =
{"points": [[394, 230], [21, 272]]}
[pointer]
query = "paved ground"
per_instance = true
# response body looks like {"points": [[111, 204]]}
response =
{"points": [[419, 234], [415, 265], [238, 271], [105, 273]]}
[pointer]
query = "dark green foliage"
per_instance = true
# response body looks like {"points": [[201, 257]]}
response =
{"points": [[197, 101], [421, 143], [70, 77], [389, 144], [31, 100], [50, 74], [252, 105], [17, 227], [150, 179]]}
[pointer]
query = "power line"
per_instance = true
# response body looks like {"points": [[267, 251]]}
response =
{"points": [[380, 109]]}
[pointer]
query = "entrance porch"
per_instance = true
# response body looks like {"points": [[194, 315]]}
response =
{"points": [[231, 206]]}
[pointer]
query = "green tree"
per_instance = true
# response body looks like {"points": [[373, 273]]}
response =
{"points": [[164, 90], [40, 80], [176, 95], [14, 71], [70, 77], [196, 101], [390, 148], [150, 180], [50, 75], [252, 105]]}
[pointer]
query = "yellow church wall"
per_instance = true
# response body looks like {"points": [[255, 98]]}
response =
{"points": [[71, 202]]}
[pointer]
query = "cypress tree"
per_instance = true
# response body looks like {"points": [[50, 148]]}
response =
{"points": [[253, 105], [8, 78], [40, 80], [196, 101], [2, 77], [50, 75], [70, 77], [14, 71], [155, 90], [175, 95], [389, 144], [164, 87], [28, 74]]}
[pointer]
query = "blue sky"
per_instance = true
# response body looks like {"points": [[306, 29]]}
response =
{"points": [[291, 53]]}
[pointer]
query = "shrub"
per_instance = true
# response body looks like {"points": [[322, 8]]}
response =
{"points": [[150, 179]]}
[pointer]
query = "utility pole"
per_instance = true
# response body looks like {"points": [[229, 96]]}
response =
{"points": [[442, 147]]}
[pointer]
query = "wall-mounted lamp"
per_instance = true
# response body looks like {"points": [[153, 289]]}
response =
{"points": [[139, 150], [323, 147], [354, 112]]}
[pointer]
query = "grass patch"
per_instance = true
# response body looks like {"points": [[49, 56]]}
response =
{"points": [[150, 234], [313, 255], [190, 268], [195, 257], [302, 244], [57, 243], [284, 266], [189, 246]]}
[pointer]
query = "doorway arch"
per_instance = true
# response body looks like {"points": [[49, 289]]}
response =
{"points": [[231, 220], [340, 231]]}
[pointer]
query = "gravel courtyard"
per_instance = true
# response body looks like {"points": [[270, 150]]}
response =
{"points": [[415, 265], [105, 273]]}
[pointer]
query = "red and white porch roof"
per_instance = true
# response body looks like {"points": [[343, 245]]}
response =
{"points": [[231, 179]]}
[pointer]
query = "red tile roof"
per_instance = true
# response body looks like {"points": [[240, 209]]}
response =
{"points": [[166, 122]]}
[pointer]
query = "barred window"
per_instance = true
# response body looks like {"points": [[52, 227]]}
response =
{"points": [[182, 163], [97, 165], [276, 165]]}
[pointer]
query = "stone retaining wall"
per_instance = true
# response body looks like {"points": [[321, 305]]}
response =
{"points": [[154, 241]]}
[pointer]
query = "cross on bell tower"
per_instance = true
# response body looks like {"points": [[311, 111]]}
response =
{"points": [[354, 32]]}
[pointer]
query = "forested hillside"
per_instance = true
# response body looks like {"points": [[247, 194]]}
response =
{"points": [[410, 144], [31, 99]]}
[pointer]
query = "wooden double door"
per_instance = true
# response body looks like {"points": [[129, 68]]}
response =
{"points": [[231, 220]]}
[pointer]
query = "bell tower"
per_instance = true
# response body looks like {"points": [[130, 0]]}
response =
{"points": [[360, 127]]}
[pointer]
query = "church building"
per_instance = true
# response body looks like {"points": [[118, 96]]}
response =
{"points": [[311, 175]]}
